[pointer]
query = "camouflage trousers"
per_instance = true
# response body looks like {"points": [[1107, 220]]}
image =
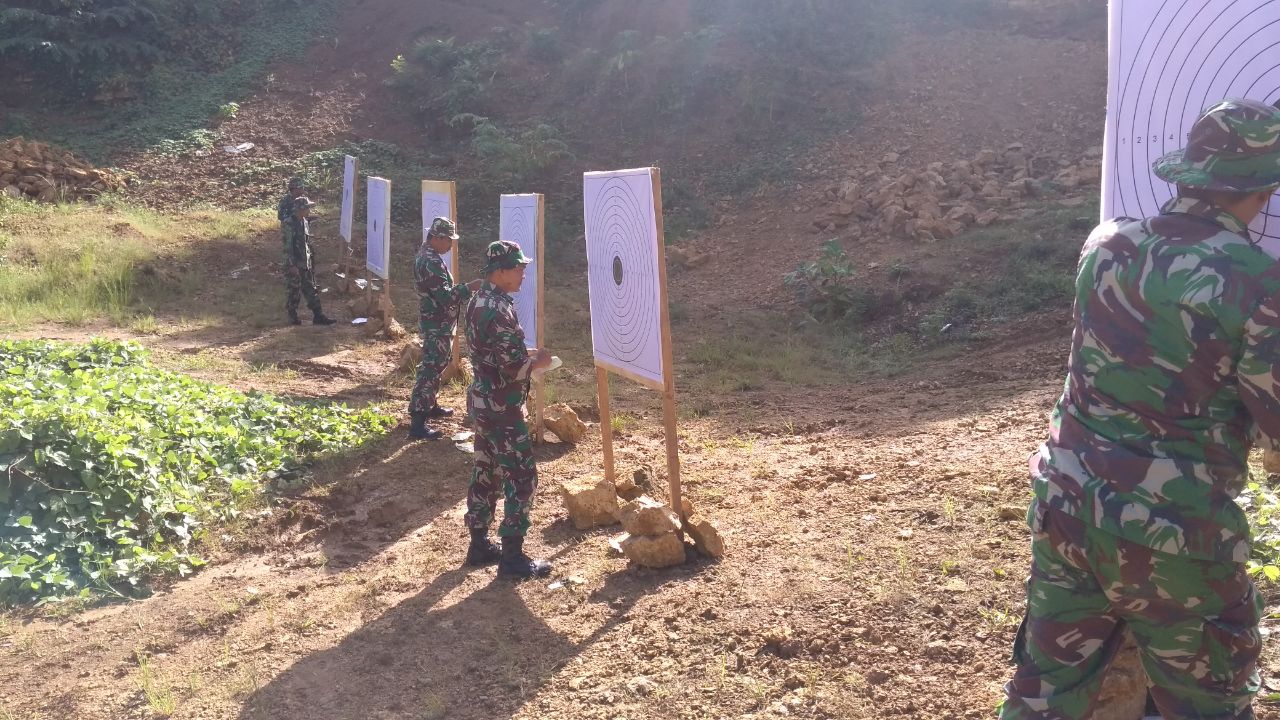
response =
{"points": [[437, 352], [1195, 623], [504, 465], [296, 286]]}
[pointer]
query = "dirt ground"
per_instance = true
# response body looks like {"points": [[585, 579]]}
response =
{"points": [[876, 547], [876, 555]]}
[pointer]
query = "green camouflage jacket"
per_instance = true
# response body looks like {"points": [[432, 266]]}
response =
{"points": [[284, 210], [297, 243], [499, 361], [438, 297], [1172, 378]]}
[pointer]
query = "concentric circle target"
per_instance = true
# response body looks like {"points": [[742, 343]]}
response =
{"points": [[1172, 59], [620, 258], [520, 227]]}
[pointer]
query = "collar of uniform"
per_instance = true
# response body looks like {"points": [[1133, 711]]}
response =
{"points": [[1207, 211], [488, 286], [426, 249]]}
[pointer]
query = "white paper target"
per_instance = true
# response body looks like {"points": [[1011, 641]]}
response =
{"points": [[347, 217], [438, 202], [1169, 61], [519, 223], [622, 271], [378, 230]]}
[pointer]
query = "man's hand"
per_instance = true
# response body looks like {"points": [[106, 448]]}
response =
{"points": [[474, 285], [541, 359]]}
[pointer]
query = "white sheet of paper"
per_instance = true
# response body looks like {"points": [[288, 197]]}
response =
{"points": [[1170, 61], [438, 204], [622, 271], [378, 232], [518, 222], [348, 198]]}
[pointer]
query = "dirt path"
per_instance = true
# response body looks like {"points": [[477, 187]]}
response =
{"points": [[874, 570]]}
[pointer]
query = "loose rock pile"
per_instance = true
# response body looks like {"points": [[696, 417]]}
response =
{"points": [[48, 173], [944, 199], [652, 538]]}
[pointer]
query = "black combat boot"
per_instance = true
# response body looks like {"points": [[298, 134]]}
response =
{"points": [[439, 412], [293, 318], [418, 429], [321, 319], [482, 551], [515, 564]]}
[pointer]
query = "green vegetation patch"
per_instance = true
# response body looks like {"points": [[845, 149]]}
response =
{"points": [[111, 469]]}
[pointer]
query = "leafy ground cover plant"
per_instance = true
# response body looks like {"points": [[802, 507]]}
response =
{"points": [[110, 468]]}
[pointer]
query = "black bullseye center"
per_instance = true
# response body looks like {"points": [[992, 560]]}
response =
{"points": [[617, 271]]}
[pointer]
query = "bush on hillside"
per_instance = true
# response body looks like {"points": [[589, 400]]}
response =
{"points": [[103, 48], [112, 468]]}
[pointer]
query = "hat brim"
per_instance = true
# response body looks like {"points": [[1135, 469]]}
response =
{"points": [[454, 236], [494, 267], [1175, 168]]}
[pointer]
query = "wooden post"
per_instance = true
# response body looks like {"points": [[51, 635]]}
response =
{"points": [[668, 364], [453, 270], [606, 424], [541, 385]]}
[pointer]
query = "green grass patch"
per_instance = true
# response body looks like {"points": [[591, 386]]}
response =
{"points": [[74, 263], [114, 468]]}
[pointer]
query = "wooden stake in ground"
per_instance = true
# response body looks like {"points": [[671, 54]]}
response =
{"points": [[440, 199], [627, 279], [378, 255], [521, 221], [346, 221]]}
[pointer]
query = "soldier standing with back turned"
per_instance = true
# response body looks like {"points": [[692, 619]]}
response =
{"points": [[1174, 374], [439, 300], [504, 462], [299, 274]]}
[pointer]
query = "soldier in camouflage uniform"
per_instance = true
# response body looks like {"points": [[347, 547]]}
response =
{"points": [[284, 209], [439, 300], [299, 275], [496, 403], [1172, 378]]}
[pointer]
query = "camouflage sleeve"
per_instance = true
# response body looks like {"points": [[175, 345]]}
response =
{"points": [[508, 345], [436, 284], [1259, 372], [283, 208], [287, 232]]}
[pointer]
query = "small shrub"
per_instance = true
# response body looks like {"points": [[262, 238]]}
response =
{"points": [[545, 45], [824, 287], [228, 111]]}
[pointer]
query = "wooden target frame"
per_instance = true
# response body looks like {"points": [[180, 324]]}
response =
{"points": [[666, 385], [539, 382], [449, 188]]}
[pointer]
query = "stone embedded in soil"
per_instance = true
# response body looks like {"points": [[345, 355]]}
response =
{"points": [[590, 503], [647, 517], [627, 488], [655, 552], [641, 685], [563, 421], [1012, 512], [705, 536]]}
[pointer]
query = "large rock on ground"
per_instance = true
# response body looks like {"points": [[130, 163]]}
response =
{"points": [[563, 421], [705, 536], [654, 552], [410, 358], [1124, 688], [590, 503], [1271, 461], [647, 517]]}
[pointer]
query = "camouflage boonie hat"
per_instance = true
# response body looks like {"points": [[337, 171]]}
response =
{"points": [[443, 227], [302, 202], [1233, 147], [503, 255], [296, 183]]}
